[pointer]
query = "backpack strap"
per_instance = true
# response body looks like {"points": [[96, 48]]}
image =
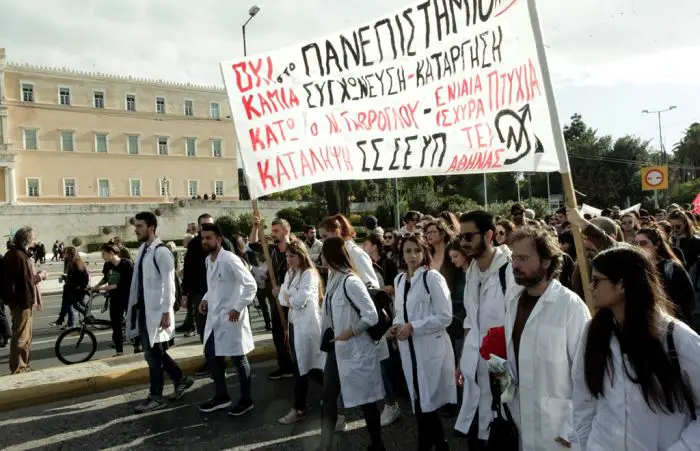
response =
{"points": [[155, 262], [425, 281], [673, 356], [502, 276], [347, 296]]}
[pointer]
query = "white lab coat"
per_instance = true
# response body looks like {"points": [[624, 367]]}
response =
{"points": [[230, 286], [358, 364], [621, 419], [158, 291], [485, 304], [542, 406], [430, 314], [365, 268], [305, 314]]}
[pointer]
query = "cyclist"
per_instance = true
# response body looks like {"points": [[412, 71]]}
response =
{"points": [[116, 282]]}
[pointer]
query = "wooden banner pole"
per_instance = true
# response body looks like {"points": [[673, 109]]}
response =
{"points": [[270, 270], [560, 145]]}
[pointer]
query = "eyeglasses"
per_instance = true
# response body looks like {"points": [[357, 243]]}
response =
{"points": [[408, 234], [642, 243], [467, 236]]}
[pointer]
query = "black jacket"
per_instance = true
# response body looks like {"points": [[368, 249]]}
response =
{"points": [[194, 270]]}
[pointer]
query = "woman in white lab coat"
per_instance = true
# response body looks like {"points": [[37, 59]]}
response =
{"points": [[301, 293], [339, 226], [352, 365], [423, 312], [631, 391]]}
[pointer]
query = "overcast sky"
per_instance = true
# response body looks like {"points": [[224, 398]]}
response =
{"points": [[609, 59]]}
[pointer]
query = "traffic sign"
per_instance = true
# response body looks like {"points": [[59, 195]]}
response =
{"points": [[654, 178]]}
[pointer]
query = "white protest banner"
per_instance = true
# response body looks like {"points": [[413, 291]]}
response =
{"points": [[587, 209], [439, 87], [631, 209]]}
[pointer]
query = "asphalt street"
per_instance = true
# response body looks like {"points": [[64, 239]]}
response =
{"points": [[106, 421], [43, 354]]}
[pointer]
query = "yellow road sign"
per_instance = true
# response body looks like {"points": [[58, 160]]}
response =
{"points": [[654, 177]]}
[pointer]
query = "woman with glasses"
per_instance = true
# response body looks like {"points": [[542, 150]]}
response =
{"points": [[637, 371], [301, 292], [684, 238], [629, 225], [675, 279], [391, 244], [352, 365], [423, 312], [504, 229]]}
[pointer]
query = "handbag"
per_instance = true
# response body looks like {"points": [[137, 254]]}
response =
{"points": [[327, 343], [503, 433]]}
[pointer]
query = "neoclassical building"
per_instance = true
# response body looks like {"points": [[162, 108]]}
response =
{"points": [[68, 136]]}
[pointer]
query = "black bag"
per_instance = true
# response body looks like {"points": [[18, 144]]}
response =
{"points": [[503, 433], [327, 344], [382, 302], [673, 356]]}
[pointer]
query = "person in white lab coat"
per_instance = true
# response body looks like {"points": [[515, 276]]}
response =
{"points": [[637, 371], [489, 278], [339, 226], [150, 315], [352, 365], [423, 312], [544, 326], [301, 292], [231, 289]]}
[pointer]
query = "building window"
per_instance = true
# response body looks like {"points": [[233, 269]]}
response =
{"points": [[191, 147], [31, 141], [64, 96], [219, 187], [101, 142], [69, 187], [160, 105], [135, 187], [67, 141], [132, 144], [33, 187], [164, 187], [163, 145], [103, 187], [216, 148], [27, 92], [193, 188], [98, 98], [130, 102], [189, 108], [214, 111]]}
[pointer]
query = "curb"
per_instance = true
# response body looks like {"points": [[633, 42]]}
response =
{"points": [[60, 383]]}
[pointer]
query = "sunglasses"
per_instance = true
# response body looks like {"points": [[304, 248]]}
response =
{"points": [[500, 233], [468, 236], [388, 237], [406, 235]]}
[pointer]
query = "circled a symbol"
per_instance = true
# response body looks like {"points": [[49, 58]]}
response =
{"points": [[655, 177]]}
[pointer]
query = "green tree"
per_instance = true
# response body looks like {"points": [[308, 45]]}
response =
{"points": [[687, 153], [293, 217]]}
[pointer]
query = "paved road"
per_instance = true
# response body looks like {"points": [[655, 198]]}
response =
{"points": [[43, 354], [106, 421]]}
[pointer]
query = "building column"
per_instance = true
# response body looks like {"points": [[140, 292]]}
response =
{"points": [[10, 185]]}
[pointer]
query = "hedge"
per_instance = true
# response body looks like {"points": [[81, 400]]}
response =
{"points": [[95, 247]]}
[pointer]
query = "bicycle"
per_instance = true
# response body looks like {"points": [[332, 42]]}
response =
{"points": [[79, 333]]}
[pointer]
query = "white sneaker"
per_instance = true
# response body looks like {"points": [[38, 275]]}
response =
{"points": [[340, 425], [294, 416], [390, 414]]}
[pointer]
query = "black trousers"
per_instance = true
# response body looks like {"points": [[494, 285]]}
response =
{"points": [[117, 310], [331, 391], [284, 359], [264, 300], [5, 330], [301, 383], [430, 431]]}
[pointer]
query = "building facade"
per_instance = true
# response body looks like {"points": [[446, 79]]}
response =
{"points": [[71, 137]]}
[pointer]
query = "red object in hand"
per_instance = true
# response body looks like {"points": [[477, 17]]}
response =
{"points": [[494, 343]]}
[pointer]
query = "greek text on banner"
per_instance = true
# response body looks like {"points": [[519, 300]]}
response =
{"points": [[441, 87]]}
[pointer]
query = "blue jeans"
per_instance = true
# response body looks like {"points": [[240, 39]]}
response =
{"points": [[159, 362], [387, 373], [217, 366]]}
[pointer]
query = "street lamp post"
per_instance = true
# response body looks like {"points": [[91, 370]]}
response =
{"points": [[251, 13], [661, 143], [241, 176]]}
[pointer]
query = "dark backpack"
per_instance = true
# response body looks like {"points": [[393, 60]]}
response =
{"points": [[382, 302], [176, 281]]}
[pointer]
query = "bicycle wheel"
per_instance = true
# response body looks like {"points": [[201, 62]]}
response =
{"points": [[100, 324], [75, 345]]}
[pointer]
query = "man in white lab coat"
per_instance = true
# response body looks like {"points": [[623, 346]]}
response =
{"points": [[231, 289], [544, 326], [150, 314], [489, 278]]}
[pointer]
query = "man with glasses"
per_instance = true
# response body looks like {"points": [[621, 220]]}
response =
{"points": [[489, 278]]}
